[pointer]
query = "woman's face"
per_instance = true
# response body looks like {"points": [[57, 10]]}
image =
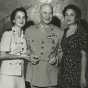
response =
{"points": [[19, 19], [70, 16]]}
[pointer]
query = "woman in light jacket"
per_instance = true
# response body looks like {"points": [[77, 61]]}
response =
{"points": [[13, 42]]}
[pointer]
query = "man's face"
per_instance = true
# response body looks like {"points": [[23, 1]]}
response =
{"points": [[46, 14]]}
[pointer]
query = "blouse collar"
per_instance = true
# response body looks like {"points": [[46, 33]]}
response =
{"points": [[15, 30]]}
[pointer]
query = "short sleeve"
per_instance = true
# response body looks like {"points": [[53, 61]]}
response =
{"points": [[5, 42], [60, 35], [83, 41]]}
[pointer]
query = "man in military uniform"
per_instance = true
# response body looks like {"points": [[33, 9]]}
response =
{"points": [[42, 40]]}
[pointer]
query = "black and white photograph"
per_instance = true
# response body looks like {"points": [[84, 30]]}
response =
{"points": [[43, 43]]}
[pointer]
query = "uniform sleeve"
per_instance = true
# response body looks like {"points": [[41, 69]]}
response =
{"points": [[58, 46], [27, 33], [58, 49], [27, 37], [5, 42]]}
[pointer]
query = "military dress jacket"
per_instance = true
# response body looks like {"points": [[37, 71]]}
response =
{"points": [[41, 41]]}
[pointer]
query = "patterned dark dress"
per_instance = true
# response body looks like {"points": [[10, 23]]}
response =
{"points": [[71, 59]]}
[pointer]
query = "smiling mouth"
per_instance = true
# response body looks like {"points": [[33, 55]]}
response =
{"points": [[21, 23], [69, 21]]}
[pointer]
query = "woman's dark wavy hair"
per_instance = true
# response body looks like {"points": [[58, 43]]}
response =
{"points": [[13, 14], [75, 8]]}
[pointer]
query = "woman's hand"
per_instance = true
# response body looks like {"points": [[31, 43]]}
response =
{"points": [[34, 59], [16, 51], [52, 59], [19, 50]]}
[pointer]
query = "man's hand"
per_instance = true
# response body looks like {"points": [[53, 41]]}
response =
{"points": [[34, 59]]}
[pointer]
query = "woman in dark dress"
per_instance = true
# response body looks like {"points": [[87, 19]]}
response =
{"points": [[74, 47]]}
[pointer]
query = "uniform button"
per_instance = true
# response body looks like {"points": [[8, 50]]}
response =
{"points": [[52, 29], [16, 43], [41, 53], [22, 43], [53, 47], [32, 40], [42, 42], [42, 47], [53, 41]]}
